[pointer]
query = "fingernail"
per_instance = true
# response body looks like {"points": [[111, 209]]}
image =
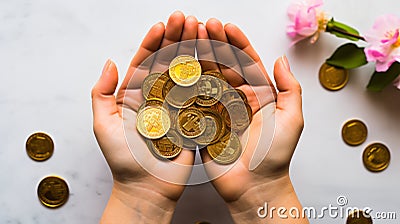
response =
{"points": [[178, 12], [201, 23], [285, 62], [106, 66], [191, 17]]}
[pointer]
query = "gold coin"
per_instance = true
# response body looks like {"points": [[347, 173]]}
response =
{"points": [[191, 122], [167, 147], [237, 115], [216, 74], [215, 128], [333, 78], [153, 102], [376, 157], [153, 85], [188, 143], [39, 146], [153, 122], [218, 107], [173, 116], [53, 191], [179, 96], [354, 132], [358, 217], [221, 77], [233, 94], [227, 150], [148, 83], [229, 96], [209, 90], [185, 70]]}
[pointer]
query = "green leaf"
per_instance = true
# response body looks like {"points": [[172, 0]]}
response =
{"points": [[342, 30], [348, 56], [380, 80]]}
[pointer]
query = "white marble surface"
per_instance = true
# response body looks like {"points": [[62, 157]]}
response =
{"points": [[52, 52]]}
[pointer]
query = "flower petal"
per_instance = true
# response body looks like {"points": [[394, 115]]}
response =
{"points": [[313, 4], [303, 18], [292, 11], [374, 53], [383, 66], [381, 27], [382, 38], [291, 32]]}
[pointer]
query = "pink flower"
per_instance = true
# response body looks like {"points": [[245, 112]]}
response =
{"points": [[384, 40], [306, 20]]}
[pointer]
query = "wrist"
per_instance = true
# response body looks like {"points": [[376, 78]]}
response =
{"points": [[260, 204], [137, 204], [263, 191]]}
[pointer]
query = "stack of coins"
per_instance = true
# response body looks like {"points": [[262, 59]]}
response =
{"points": [[185, 107]]}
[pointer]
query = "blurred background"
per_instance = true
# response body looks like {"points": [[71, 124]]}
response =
{"points": [[52, 53]]}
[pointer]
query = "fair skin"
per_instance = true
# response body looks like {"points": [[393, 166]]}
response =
{"points": [[137, 196]]}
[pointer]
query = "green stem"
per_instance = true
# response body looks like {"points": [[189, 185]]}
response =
{"points": [[336, 29], [342, 30]]}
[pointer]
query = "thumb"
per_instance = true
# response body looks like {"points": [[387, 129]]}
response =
{"points": [[289, 96], [103, 100]]}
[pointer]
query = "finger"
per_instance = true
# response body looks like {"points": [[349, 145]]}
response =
{"points": [[288, 115], [186, 157], [173, 32], [205, 157], [188, 37], [205, 52], [289, 96], [252, 67], [213, 169], [103, 100], [141, 62], [224, 54]]}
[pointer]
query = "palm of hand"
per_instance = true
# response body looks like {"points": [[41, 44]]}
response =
{"points": [[115, 121], [286, 119], [110, 119]]}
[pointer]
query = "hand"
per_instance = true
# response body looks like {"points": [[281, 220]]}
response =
{"points": [[248, 184], [136, 194]]}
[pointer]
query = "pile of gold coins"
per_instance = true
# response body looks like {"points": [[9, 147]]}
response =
{"points": [[185, 108], [52, 191]]}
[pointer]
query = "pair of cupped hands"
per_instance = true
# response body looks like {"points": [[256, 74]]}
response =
{"points": [[138, 196]]}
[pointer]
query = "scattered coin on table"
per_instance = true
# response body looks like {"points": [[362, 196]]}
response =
{"points": [[333, 78], [39, 146], [53, 191], [354, 132]]}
